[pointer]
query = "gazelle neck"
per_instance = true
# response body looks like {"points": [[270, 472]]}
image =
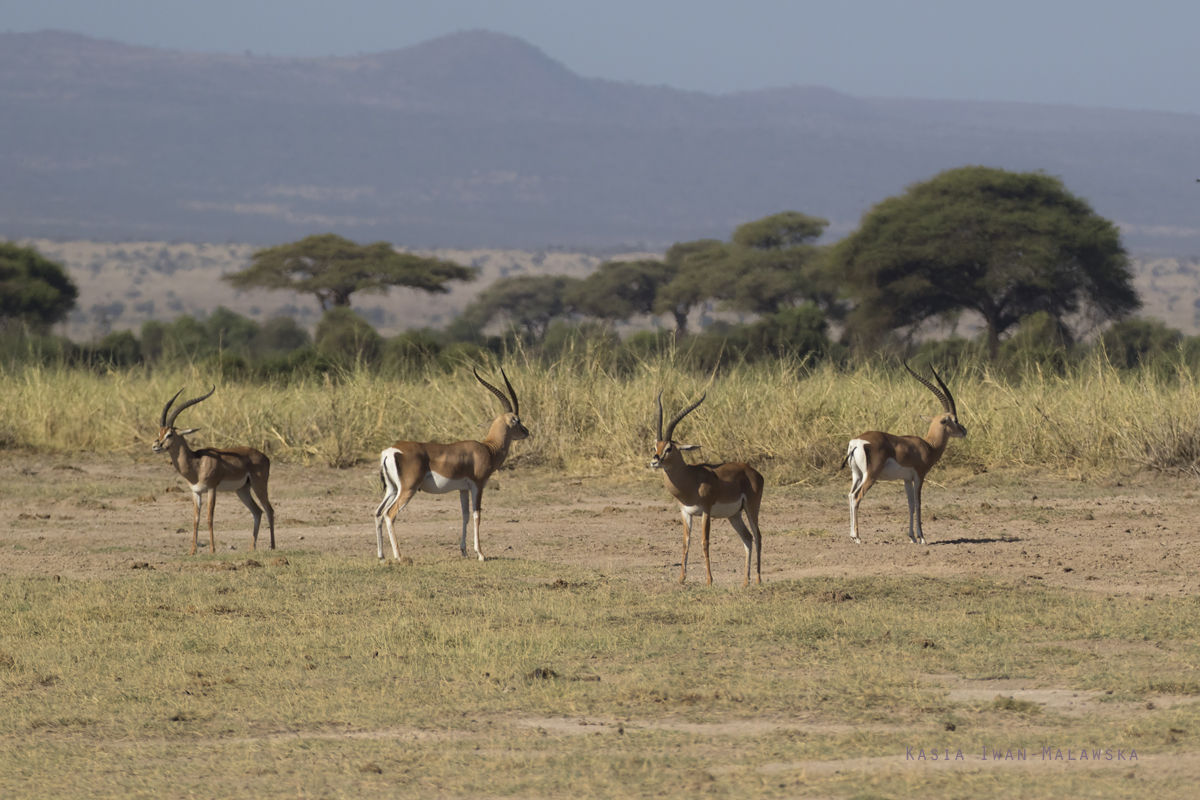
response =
{"points": [[677, 477], [938, 436], [498, 439], [184, 458]]}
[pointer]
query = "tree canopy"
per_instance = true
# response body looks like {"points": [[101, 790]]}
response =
{"points": [[530, 302], [1003, 244], [33, 289], [618, 290], [692, 262], [768, 265], [332, 268]]}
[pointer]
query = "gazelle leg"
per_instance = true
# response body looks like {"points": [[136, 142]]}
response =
{"points": [[478, 492], [707, 522], [212, 505], [917, 486], [856, 481], [260, 489], [390, 493], [195, 521], [752, 519], [687, 540], [910, 493], [856, 495], [390, 518], [464, 498], [248, 501], [748, 540]]}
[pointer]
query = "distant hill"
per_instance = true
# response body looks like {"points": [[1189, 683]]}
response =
{"points": [[123, 285], [480, 140]]}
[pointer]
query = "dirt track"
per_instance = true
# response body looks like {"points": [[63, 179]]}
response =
{"points": [[90, 516]]}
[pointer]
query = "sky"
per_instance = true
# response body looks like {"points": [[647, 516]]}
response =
{"points": [[1108, 53]]}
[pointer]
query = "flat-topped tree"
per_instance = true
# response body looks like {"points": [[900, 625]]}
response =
{"points": [[619, 290], [33, 289], [1002, 244], [332, 268], [527, 302]]}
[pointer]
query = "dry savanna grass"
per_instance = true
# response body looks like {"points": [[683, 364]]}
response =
{"points": [[336, 677], [573, 662], [790, 421]]}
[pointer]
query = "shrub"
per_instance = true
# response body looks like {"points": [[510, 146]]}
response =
{"points": [[281, 335], [1134, 342], [347, 338], [412, 350]]}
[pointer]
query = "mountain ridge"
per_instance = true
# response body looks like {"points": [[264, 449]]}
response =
{"points": [[481, 139]]}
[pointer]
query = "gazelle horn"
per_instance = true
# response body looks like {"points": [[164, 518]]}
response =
{"points": [[675, 420], [943, 395], [170, 423], [660, 415], [512, 393], [163, 420], [503, 400]]}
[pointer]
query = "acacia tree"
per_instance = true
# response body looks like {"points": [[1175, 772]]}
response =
{"points": [[618, 290], [332, 268], [1003, 244], [692, 263], [33, 289], [770, 264], [530, 302]]}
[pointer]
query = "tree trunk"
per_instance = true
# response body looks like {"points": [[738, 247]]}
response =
{"points": [[993, 339], [680, 324]]}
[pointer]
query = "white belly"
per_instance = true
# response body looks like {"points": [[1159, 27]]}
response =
{"points": [[437, 484], [223, 486], [719, 510], [894, 472]]}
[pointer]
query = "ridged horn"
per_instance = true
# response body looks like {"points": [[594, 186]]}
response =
{"points": [[942, 394], [660, 415], [675, 420], [511, 393], [503, 400], [946, 391], [162, 422], [170, 422]]}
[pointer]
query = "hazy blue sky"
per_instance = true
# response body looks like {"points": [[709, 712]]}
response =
{"points": [[1113, 53]]}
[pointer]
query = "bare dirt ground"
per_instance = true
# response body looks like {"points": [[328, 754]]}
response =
{"points": [[88, 516]]}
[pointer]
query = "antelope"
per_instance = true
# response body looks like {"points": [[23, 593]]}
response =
{"points": [[876, 456], [209, 470], [408, 467], [722, 491]]}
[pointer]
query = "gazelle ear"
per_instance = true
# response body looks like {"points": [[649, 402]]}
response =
{"points": [[188, 431], [687, 447]]}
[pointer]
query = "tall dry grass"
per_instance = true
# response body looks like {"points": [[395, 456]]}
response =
{"points": [[790, 421]]}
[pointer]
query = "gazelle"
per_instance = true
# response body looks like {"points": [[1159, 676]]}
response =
{"points": [[408, 467], [209, 470], [876, 456], [722, 491]]}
